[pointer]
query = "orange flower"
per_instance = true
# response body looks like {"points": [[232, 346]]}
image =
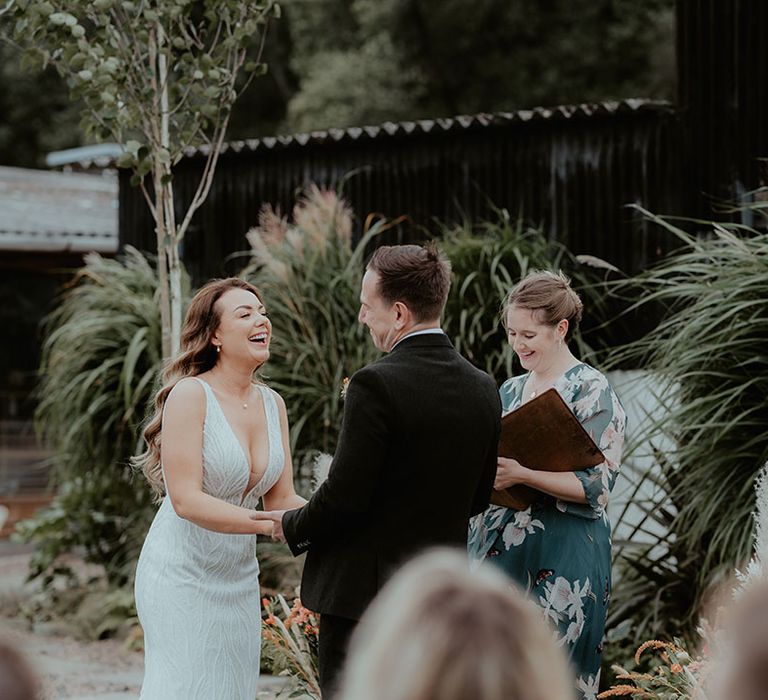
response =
{"points": [[622, 690], [655, 644], [676, 668]]}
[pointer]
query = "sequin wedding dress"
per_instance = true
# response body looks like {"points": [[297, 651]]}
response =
{"points": [[197, 591]]}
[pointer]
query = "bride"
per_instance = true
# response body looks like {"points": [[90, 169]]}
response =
{"points": [[217, 443]]}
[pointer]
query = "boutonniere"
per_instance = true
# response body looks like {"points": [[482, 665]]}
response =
{"points": [[344, 385]]}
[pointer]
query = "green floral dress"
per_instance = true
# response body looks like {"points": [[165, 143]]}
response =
{"points": [[560, 552]]}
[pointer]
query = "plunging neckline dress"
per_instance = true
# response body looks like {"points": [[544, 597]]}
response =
{"points": [[197, 591]]}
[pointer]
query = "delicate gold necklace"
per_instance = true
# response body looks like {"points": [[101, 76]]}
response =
{"points": [[244, 403], [547, 384], [536, 391]]}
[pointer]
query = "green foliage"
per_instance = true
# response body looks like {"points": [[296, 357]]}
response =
{"points": [[673, 674], [100, 361], [487, 260], [89, 609], [709, 367], [110, 54], [36, 114], [429, 58], [290, 646], [342, 63], [310, 275], [279, 570], [369, 84], [107, 612], [157, 77]]}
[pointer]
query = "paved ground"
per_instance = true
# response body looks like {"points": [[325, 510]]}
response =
{"points": [[72, 669]]}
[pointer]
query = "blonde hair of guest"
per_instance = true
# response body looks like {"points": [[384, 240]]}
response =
{"points": [[739, 659], [440, 632]]}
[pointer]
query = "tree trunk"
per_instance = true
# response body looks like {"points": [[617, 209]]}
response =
{"points": [[174, 273], [167, 212], [162, 272]]}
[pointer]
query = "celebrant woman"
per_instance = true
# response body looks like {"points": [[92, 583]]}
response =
{"points": [[559, 548]]}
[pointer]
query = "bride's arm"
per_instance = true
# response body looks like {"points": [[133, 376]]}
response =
{"points": [[283, 496], [182, 457]]}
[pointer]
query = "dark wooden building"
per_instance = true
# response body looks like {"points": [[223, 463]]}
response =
{"points": [[571, 170], [48, 222]]}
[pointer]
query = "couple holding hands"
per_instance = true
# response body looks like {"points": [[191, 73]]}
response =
{"points": [[414, 466]]}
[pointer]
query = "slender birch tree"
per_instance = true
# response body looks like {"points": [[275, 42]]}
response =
{"points": [[158, 77]]}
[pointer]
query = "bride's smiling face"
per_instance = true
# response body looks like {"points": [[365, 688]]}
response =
{"points": [[244, 330]]}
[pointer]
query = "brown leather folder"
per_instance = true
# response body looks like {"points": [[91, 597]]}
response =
{"points": [[543, 434]]}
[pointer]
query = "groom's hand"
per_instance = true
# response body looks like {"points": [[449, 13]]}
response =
{"points": [[276, 517]]}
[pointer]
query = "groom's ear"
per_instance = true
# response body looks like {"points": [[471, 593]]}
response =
{"points": [[402, 315]]}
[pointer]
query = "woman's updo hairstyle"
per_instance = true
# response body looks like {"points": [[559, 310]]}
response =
{"points": [[550, 297]]}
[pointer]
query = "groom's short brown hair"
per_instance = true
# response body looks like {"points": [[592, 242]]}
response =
{"points": [[418, 276]]}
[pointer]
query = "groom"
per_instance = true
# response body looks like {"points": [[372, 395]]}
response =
{"points": [[416, 455]]}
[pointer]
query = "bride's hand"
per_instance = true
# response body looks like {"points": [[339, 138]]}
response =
{"points": [[508, 473], [276, 517]]}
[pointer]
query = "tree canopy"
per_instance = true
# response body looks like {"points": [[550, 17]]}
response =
{"points": [[157, 77], [351, 62]]}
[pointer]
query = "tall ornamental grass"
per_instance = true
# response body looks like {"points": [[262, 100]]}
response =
{"points": [[487, 260], [708, 365], [310, 272], [100, 361], [102, 356]]}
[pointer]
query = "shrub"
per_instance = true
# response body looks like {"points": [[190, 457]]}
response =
{"points": [[290, 637], [487, 260], [101, 357], [310, 273], [708, 364]]}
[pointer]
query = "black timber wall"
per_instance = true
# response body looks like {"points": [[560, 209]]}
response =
{"points": [[570, 172]]}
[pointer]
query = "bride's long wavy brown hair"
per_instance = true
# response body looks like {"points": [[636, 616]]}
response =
{"points": [[197, 355]]}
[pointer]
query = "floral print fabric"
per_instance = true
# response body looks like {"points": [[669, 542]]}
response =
{"points": [[559, 551]]}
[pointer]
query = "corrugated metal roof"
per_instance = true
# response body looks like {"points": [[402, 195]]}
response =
{"points": [[98, 155], [420, 126], [48, 211], [426, 126]]}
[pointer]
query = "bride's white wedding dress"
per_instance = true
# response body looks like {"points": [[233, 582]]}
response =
{"points": [[197, 591]]}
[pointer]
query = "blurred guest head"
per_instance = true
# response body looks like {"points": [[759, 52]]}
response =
{"points": [[740, 657], [439, 632], [17, 682]]}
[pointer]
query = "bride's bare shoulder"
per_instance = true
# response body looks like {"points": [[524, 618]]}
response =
{"points": [[187, 396]]}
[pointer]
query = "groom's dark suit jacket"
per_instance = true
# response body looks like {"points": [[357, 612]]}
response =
{"points": [[416, 458]]}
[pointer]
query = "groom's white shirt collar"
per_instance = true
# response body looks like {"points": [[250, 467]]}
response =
{"points": [[426, 331]]}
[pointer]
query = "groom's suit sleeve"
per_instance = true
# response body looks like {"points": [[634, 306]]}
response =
{"points": [[482, 495], [348, 492]]}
